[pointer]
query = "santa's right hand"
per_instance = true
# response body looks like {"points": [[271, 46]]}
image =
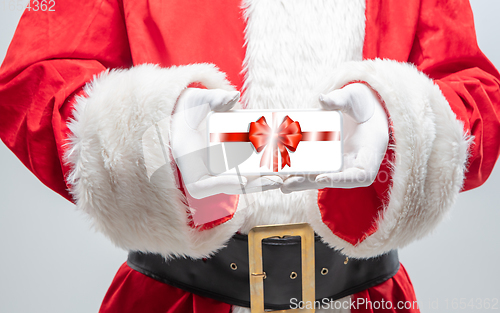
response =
{"points": [[189, 146]]}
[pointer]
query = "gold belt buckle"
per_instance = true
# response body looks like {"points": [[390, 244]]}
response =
{"points": [[257, 275]]}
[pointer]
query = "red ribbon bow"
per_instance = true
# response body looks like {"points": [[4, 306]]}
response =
{"points": [[287, 136]]}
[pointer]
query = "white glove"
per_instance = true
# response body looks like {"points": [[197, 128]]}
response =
{"points": [[366, 135], [189, 146]]}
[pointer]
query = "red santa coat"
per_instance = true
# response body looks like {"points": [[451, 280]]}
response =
{"points": [[420, 56]]}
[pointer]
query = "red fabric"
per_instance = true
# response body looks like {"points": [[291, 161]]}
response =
{"points": [[51, 57], [439, 38], [213, 210], [395, 295], [133, 292], [354, 213]]}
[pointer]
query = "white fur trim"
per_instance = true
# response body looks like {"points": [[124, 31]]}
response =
{"points": [[109, 178], [293, 45], [430, 155]]}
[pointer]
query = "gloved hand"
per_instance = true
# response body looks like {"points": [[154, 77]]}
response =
{"points": [[189, 146], [366, 135]]}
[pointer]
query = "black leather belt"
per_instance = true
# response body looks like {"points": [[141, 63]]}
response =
{"points": [[225, 276]]}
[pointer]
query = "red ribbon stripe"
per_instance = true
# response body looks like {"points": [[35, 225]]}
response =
{"points": [[288, 135]]}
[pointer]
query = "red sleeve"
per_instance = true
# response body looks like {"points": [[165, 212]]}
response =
{"points": [[446, 49], [52, 55], [440, 91]]}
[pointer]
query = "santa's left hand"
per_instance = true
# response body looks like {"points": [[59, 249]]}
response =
{"points": [[366, 135]]}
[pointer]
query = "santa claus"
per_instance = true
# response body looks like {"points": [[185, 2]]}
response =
{"points": [[81, 86]]}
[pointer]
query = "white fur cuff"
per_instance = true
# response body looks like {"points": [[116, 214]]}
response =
{"points": [[109, 177], [430, 154]]}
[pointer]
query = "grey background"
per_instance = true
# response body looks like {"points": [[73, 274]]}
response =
{"points": [[50, 260]]}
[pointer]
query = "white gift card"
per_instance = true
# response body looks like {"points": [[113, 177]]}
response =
{"points": [[267, 142]]}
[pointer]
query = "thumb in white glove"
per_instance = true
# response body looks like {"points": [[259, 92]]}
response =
{"points": [[366, 135], [189, 145]]}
